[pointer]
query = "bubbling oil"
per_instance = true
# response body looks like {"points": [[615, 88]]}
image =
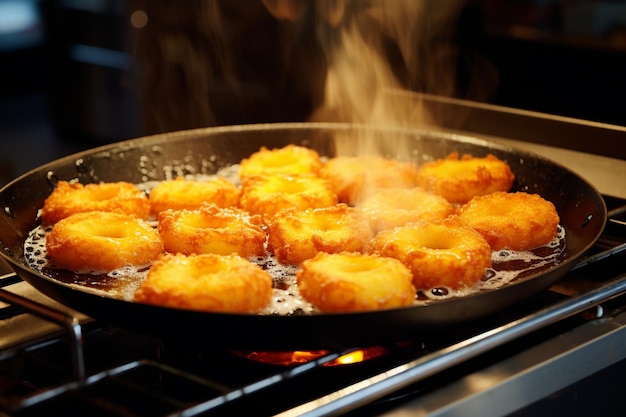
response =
{"points": [[507, 267]]}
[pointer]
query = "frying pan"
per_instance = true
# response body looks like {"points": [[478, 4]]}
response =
{"points": [[203, 151]]}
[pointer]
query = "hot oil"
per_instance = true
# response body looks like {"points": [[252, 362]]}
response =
{"points": [[120, 283], [507, 267]]}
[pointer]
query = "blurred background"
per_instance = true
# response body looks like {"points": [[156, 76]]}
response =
{"points": [[76, 74]]}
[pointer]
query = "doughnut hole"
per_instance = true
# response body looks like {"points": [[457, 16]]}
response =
{"points": [[516, 221], [100, 242], [393, 207], [355, 178], [444, 253], [270, 194], [459, 179], [71, 198], [212, 229], [288, 160], [295, 236], [183, 194]]}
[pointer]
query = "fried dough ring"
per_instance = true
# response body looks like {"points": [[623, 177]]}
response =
{"points": [[444, 253], [459, 179], [393, 207], [211, 229], [355, 177], [516, 221], [355, 282], [206, 282], [100, 242], [269, 194], [70, 198], [288, 160], [298, 235], [181, 194]]}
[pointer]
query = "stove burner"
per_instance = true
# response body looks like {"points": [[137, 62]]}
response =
{"points": [[292, 358]]}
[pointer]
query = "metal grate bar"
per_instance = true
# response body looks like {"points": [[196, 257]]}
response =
{"points": [[88, 393], [9, 279], [600, 256], [411, 372], [616, 211], [260, 385], [70, 323]]}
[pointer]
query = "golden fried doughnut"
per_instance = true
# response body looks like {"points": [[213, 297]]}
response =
{"points": [[298, 235], [290, 159], [211, 229], [70, 198], [445, 253], [182, 194], [355, 177], [269, 194], [392, 207], [206, 282], [517, 221], [355, 282], [459, 179], [99, 242]]}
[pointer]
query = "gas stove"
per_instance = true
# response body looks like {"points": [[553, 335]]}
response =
{"points": [[559, 351]]}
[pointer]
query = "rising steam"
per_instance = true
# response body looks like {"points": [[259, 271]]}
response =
{"points": [[221, 62], [374, 48]]}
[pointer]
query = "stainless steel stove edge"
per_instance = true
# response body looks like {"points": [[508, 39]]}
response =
{"points": [[523, 379]]}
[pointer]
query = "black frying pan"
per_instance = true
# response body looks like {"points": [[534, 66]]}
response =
{"points": [[582, 211]]}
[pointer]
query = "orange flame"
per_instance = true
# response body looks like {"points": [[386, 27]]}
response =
{"points": [[291, 358]]}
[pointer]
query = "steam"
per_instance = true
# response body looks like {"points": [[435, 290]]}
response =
{"points": [[376, 51], [374, 48], [220, 62], [377, 47]]}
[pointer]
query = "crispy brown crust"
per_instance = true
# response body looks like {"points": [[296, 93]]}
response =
{"points": [[71, 198], [354, 178], [355, 282], [211, 229], [393, 207], [444, 253], [516, 221], [207, 282], [458, 180], [298, 235], [181, 194], [101, 242], [288, 160], [270, 194]]}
